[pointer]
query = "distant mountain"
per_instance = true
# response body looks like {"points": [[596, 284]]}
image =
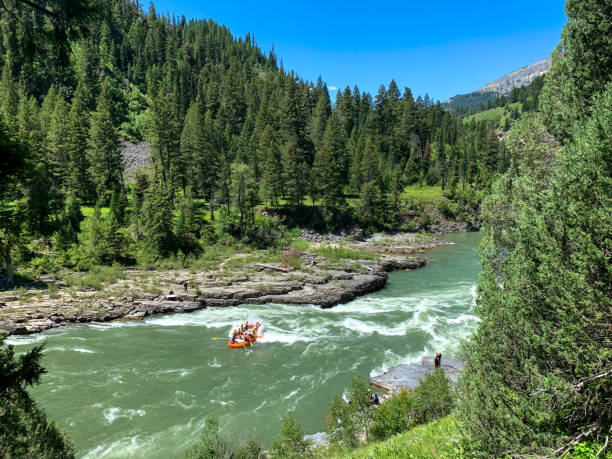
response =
{"points": [[521, 77]]}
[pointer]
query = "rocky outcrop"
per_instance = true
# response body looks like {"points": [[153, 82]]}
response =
{"points": [[407, 375], [317, 283]]}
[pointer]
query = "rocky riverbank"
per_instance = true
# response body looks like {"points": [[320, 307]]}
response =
{"points": [[138, 293], [406, 376]]}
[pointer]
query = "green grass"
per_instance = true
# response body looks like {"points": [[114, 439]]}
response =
{"points": [[89, 211], [342, 253], [96, 278], [493, 114], [422, 194], [438, 439]]}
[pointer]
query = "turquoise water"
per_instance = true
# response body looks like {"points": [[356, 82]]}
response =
{"points": [[144, 389]]}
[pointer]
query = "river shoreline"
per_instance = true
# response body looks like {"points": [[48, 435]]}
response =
{"points": [[140, 293]]}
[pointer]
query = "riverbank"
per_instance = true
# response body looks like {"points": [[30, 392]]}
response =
{"points": [[323, 273]]}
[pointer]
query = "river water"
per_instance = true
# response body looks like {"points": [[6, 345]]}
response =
{"points": [[144, 389]]}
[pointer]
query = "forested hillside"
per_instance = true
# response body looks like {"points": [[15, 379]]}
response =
{"points": [[231, 132]]}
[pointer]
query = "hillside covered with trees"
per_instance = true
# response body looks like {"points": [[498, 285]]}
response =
{"points": [[231, 133], [242, 146]]}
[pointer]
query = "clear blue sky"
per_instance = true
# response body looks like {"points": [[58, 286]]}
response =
{"points": [[438, 47]]}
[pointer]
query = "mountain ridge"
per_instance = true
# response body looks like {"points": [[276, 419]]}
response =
{"points": [[517, 78], [500, 86]]}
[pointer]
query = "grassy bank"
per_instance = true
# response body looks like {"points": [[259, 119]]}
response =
{"points": [[438, 439]]}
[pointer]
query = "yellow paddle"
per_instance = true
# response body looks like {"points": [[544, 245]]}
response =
{"points": [[219, 338]]}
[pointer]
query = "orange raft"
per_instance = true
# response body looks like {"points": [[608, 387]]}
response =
{"points": [[245, 341]]}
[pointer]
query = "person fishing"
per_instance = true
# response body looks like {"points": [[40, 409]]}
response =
{"points": [[437, 360]]}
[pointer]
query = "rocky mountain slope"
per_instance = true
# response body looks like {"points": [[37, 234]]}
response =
{"points": [[521, 77], [503, 85]]}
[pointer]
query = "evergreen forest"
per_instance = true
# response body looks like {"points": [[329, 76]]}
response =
{"points": [[245, 152], [231, 133]]}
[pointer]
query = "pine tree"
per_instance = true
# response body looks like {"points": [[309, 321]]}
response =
{"points": [[328, 167], [79, 182], [104, 149], [9, 98], [56, 145], [243, 190], [318, 119], [271, 187], [158, 217], [581, 68]]}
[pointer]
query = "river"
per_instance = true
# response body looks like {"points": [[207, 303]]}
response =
{"points": [[144, 389]]}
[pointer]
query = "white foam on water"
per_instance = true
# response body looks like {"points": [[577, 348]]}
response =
{"points": [[185, 400], [464, 319], [214, 363], [55, 348], [22, 340], [114, 413], [261, 405], [290, 394], [145, 445], [83, 350], [115, 324], [222, 402]]}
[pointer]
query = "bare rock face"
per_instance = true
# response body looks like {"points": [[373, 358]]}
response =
{"points": [[135, 156], [407, 375], [521, 77]]}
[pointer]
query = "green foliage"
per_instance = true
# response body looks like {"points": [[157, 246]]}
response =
{"points": [[211, 445], [581, 67], [393, 416], [534, 368], [588, 450], [346, 422], [448, 208], [432, 398], [290, 442], [97, 277], [25, 430]]}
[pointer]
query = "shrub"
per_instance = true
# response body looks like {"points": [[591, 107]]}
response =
{"points": [[291, 257], [248, 449], [425, 219], [53, 291], [448, 208], [394, 416], [290, 442], [432, 398], [211, 444], [346, 421], [97, 277]]}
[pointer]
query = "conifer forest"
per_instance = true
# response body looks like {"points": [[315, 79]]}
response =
{"points": [[134, 140]]}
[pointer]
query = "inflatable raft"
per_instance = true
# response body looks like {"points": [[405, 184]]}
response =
{"points": [[244, 340]]}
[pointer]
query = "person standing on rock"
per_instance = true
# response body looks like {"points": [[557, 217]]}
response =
{"points": [[437, 360]]}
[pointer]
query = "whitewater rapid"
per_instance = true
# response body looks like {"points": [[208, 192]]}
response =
{"points": [[145, 388]]}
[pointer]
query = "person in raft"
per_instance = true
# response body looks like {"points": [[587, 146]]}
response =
{"points": [[437, 359]]}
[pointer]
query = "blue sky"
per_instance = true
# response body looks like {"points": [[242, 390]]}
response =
{"points": [[438, 47]]}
